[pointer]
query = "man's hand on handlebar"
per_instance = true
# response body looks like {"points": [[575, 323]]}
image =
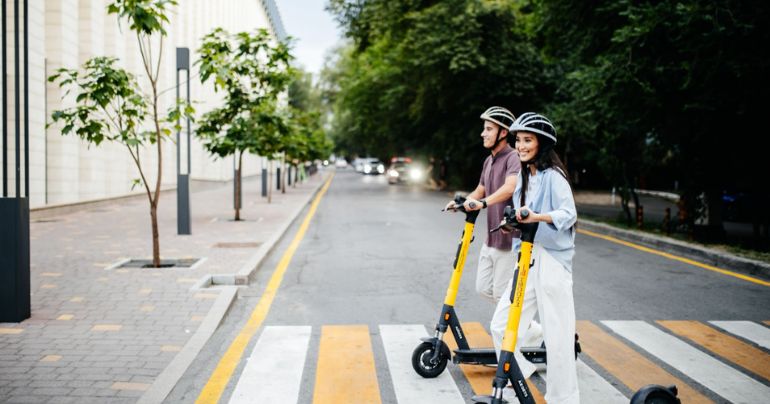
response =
{"points": [[450, 206], [472, 204]]}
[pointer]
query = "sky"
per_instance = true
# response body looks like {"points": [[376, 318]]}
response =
{"points": [[313, 29]]}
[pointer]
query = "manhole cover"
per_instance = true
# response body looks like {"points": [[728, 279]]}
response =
{"points": [[237, 245], [164, 263]]}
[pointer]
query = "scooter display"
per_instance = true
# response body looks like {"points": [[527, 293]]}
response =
{"points": [[429, 358]]}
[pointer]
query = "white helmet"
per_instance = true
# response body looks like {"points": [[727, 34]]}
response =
{"points": [[499, 115], [535, 123]]}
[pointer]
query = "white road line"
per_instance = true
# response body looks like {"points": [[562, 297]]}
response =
{"points": [[400, 341], [595, 389], [753, 332], [713, 374], [273, 372]]}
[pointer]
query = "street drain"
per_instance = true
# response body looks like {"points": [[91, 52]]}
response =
{"points": [[238, 245]]}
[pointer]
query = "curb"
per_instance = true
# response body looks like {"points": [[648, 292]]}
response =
{"points": [[703, 254], [169, 377]]}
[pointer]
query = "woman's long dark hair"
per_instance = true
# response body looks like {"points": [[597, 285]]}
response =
{"points": [[546, 158]]}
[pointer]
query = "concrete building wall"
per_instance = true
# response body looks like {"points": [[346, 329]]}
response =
{"points": [[66, 33]]}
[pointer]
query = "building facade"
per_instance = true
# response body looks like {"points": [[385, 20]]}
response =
{"points": [[66, 33]]}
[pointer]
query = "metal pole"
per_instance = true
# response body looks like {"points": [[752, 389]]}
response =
{"points": [[26, 101], [15, 301], [264, 177], [182, 180], [17, 95], [5, 103]]}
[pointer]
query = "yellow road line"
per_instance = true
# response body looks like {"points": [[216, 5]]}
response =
{"points": [[675, 257], [219, 379], [345, 371], [480, 377], [726, 346], [629, 366]]}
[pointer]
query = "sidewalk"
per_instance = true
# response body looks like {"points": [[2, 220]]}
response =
{"points": [[100, 335]]}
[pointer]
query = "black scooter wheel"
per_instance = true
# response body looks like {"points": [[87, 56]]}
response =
{"points": [[421, 360], [656, 394]]}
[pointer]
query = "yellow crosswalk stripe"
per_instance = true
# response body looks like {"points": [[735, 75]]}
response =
{"points": [[726, 346], [480, 377], [629, 366], [345, 371]]}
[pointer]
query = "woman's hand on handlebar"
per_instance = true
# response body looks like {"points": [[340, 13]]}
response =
{"points": [[450, 206], [531, 217]]}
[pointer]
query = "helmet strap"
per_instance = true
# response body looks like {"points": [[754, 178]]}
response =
{"points": [[497, 142]]}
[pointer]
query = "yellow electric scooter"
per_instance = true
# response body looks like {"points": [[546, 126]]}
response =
{"points": [[429, 358], [507, 368]]}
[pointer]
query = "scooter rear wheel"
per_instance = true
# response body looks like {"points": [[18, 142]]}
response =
{"points": [[421, 360]]}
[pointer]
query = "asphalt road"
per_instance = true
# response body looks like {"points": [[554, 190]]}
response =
{"points": [[376, 254]]}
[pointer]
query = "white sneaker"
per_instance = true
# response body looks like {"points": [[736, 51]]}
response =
{"points": [[509, 395]]}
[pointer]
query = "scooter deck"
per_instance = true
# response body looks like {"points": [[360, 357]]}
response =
{"points": [[482, 356], [487, 356]]}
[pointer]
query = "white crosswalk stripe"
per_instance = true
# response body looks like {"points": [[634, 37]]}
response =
{"points": [[273, 372], [753, 332], [399, 342], [594, 389], [713, 374]]}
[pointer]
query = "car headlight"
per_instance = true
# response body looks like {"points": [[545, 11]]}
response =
{"points": [[415, 174], [380, 168], [367, 169], [393, 173]]}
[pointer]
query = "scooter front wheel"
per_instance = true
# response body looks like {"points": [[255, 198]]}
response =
{"points": [[422, 360]]}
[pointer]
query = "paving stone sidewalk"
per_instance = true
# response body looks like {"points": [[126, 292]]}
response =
{"points": [[99, 335]]}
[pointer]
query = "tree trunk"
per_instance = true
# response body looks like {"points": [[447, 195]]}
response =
{"points": [[155, 235]]}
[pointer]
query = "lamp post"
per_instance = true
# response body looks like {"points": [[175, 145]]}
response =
{"points": [[183, 177], [15, 302]]}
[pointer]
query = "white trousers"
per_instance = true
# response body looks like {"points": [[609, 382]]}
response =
{"points": [[549, 293], [495, 272]]}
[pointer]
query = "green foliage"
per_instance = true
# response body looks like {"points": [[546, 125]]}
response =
{"points": [[108, 104], [145, 16], [643, 93], [251, 71], [418, 75]]}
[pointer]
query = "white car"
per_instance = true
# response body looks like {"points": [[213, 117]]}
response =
{"points": [[341, 163]]}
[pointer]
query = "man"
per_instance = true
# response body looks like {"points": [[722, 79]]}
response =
{"points": [[498, 180]]}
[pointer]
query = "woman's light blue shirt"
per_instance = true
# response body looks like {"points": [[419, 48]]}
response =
{"points": [[550, 193]]}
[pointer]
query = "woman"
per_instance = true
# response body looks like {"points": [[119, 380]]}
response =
{"points": [[543, 189]]}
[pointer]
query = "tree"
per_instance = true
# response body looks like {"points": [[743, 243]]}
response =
{"points": [[110, 104], [658, 85], [417, 75], [251, 71]]}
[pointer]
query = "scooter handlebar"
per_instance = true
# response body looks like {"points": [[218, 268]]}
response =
{"points": [[509, 221]]}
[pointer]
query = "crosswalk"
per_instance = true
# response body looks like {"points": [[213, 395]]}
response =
{"points": [[715, 361]]}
